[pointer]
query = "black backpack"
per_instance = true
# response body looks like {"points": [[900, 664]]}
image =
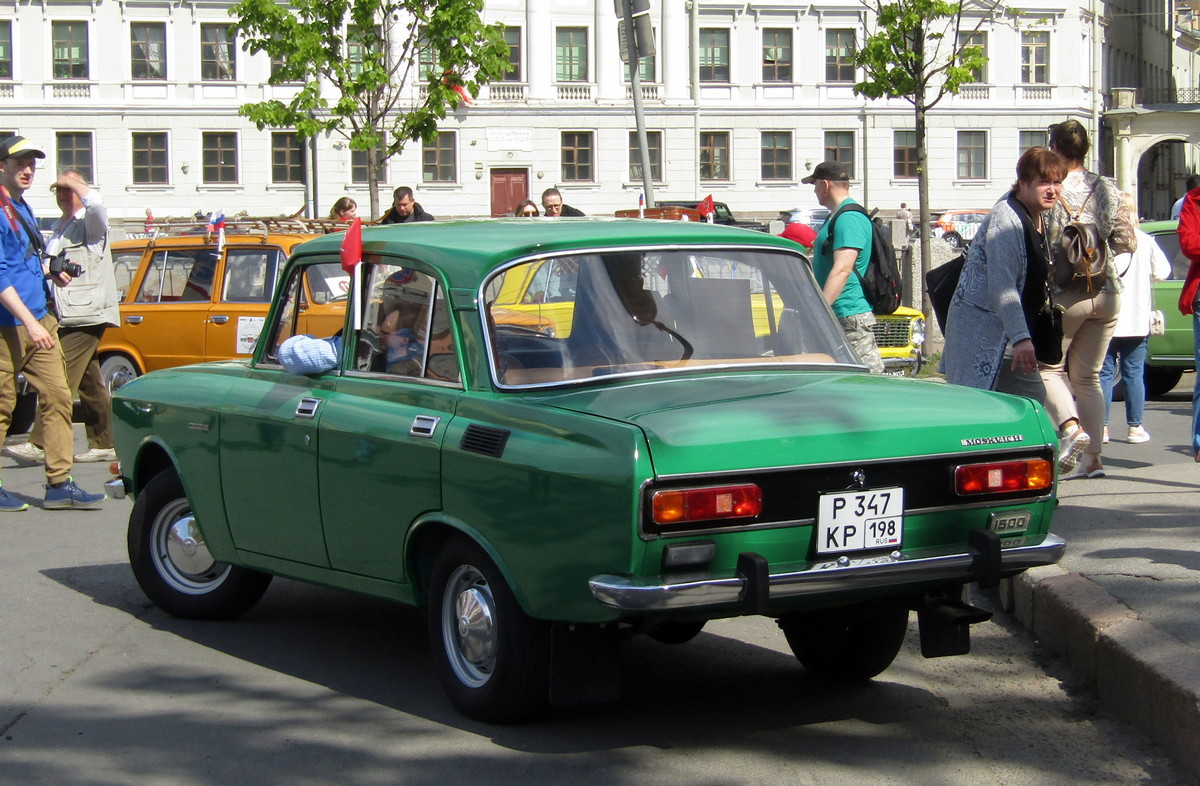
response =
{"points": [[882, 285]]}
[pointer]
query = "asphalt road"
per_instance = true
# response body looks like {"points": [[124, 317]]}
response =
{"points": [[318, 686]]}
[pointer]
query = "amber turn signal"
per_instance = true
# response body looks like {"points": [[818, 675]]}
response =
{"points": [[705, 504], [1001, 476]]}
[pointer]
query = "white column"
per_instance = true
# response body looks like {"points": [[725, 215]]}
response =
{"points": [[608, 71], [674, 54], [539, 50]]}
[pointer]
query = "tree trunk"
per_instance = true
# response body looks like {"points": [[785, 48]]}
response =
{"points": [[923, 206]]}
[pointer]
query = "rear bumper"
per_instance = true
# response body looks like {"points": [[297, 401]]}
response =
{"points": [[641, 596]]}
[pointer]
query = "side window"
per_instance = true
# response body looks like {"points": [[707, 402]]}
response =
{"points": [[250, 274], [442, 360], [397, 319], [125, 265], [304, 310]]}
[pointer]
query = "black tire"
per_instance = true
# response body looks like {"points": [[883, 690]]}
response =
{"points": [[24, 412], [675, 632], [849, 644], [954, 240], [492, 659], [172, 564], [1161, 380]]}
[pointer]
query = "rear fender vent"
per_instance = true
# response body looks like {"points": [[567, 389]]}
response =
{"points": [[481, 439]]}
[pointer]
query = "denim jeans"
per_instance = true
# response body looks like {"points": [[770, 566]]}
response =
{"points": [[1129, 353]]}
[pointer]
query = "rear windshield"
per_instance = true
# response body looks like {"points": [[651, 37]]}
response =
{"points": [[568, 318]]}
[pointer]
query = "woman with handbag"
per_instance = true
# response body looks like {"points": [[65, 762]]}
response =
{"points": [[1189, 296], [1127, 347], [1090, 298], [1001, 294]]}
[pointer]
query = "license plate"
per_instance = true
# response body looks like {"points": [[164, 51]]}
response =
{"points": [[860, 520], [1010, 522]]}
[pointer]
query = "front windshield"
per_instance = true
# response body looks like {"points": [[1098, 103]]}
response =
{"points": [[558, 319]]}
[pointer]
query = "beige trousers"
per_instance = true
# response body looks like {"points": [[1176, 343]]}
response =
{"points": [[46, 371]]}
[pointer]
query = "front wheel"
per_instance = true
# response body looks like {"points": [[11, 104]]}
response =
{"points": [[172, 564], [492, 659], [848, 644], [116, 370]]}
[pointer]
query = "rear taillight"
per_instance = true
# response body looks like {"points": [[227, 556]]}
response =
{"points": [[1002, 476], [679, 506]]}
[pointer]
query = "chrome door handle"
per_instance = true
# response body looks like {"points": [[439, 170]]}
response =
{"points": [[218, 320], [307, 408], [133, 320], [424, 426]]}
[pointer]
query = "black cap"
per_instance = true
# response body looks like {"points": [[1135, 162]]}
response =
{"points": [[18, 146], [828, 170]]}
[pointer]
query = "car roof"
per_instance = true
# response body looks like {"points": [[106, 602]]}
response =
{"points": [[467, 250]]}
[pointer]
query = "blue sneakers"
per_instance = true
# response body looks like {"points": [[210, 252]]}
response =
{"points": [[68, 495], [9, 503]]}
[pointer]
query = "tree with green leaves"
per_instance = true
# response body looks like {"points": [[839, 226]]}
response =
{"points": [[379, 73], [921, 52]]}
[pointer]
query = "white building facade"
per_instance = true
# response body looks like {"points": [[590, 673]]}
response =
{"points": [[741, 100]]}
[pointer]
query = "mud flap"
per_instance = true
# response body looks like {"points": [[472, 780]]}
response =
{"points": [[584, 667], [945, 625]]}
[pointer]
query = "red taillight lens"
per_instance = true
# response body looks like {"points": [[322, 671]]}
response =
{"points": [[704, 504], [1001, 476]]}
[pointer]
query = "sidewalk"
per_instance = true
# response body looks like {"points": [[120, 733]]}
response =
{"points": [[1123, 607]]}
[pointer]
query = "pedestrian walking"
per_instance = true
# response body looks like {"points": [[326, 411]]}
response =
{"points": [[905, 215], [28, 342], [1189, 297], [1127, 347]]}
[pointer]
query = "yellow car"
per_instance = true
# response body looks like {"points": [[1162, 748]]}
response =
{"points": [[187, 299], [900, 337]]}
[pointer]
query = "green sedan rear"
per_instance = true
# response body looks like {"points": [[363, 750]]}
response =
{"points": [[700, 443]]}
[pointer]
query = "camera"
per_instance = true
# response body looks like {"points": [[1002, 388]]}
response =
{"points": [[59, 264]]}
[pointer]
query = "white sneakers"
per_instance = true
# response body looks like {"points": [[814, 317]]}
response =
{"points": [[96, 454], [1073, 442], [27, 451], [1137, 434]]}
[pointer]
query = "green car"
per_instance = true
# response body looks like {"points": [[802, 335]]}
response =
{"points": [[543, 495], [1174, 352]]}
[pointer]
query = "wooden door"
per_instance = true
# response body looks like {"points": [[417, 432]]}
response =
{"points": [[509, 187]]}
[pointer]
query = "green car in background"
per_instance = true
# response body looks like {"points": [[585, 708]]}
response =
{"points": [[1174, 352], [699, 442]]}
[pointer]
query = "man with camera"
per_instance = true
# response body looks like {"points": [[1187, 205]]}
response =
{"points": [[79, 247], [28, 329]]}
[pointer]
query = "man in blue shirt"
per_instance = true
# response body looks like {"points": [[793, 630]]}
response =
{"points": [[28, 331], [834, 263]]}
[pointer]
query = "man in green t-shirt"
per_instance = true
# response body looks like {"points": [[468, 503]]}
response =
{"points": [[834, 263]]}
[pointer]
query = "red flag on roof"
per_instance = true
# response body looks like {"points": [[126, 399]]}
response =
{"points": [[352, 246], [706, 206]]}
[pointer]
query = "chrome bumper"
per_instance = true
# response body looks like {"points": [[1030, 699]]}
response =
{"points": [[635, 595]]}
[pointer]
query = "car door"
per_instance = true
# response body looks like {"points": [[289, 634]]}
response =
{"points": [[166, 318], [248, 279], [381, 435], [270, 445]]}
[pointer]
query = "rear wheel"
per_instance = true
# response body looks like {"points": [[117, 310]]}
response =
{"points": [[1161, 380], [953, 239], [848, 644], [173, 565], [116, 370], [492, 659]]}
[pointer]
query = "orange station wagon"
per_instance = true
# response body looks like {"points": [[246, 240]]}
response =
{"points": [[185, 299]]}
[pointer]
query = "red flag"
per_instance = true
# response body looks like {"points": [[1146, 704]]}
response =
{"points": [[706, 206], [352, 246], [462, 91]]}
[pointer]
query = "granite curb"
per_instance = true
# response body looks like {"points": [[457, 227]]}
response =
{"points": [[1144, 676]]}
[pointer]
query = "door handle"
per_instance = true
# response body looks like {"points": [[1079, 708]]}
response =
{"points": [[307, 408], [133, 319], [218, 320]]}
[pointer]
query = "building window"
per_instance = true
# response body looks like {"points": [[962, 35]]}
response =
{"points": [[439, 166], [979, 39], [6, 69], [74, 151], [839, 146], [777, 55], [654, 148], [776, 153], [512, 37], [1035, 57], [426, 57], [571, 54], [150, 158], [904, 153], [220, 157], [839, 55], [714, 54], [70, 47], [972, 155], [287, 157], [216, 53], [148, 50], [714, 155], [646, 69], [358, 164], [1035, 138], [577, 156]]}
